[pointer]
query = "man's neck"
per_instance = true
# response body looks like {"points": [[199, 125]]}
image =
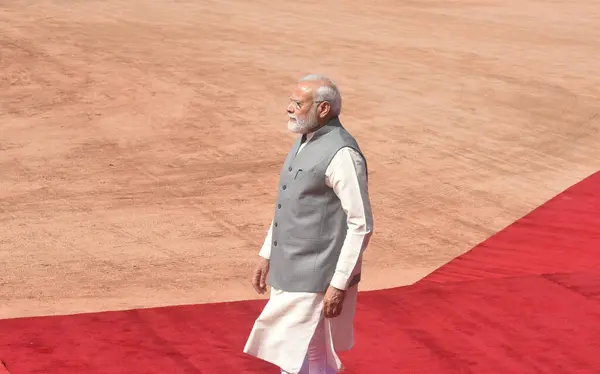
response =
{"points": [[306, 137]]}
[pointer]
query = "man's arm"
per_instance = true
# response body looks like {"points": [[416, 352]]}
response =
{"points": [[347, 175], [259, 278], [265, 251]]}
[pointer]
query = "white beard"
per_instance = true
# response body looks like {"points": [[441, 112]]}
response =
{"points": [[305, 125]]}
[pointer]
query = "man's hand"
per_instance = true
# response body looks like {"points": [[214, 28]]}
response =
{"points": [[333, 302], [259, 279]]}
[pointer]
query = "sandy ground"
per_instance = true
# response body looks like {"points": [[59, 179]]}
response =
{"points": [[140, 141]]}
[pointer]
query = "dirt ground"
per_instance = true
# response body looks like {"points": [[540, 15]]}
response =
{"points": [[140, 140]]}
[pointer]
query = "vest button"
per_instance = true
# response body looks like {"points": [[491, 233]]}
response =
{"points": [[279, 206], [276, 224], [284, 187], [275, 243], [290, 168]]}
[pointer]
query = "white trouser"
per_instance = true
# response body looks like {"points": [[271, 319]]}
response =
{"points": [[315, 361]]}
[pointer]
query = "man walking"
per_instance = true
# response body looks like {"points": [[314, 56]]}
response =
{"points": [[312, 254]]}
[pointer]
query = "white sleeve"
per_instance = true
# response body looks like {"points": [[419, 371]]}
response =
{"points": [[265, 251], [347, 176]]}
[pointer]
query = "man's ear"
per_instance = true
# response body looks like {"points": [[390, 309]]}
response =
{"points": [[324, 109]]}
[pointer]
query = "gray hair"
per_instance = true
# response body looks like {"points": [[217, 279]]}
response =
{"points": [[326, 92]]}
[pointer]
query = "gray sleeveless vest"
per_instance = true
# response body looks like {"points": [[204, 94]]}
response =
{"points": [[309, 225]]}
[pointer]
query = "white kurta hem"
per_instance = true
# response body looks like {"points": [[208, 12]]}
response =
{"points": [[282, 333]]}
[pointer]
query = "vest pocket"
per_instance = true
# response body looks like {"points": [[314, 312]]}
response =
{"points": [[302, 174]]}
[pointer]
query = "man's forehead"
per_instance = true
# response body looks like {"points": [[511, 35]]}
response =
{"points": [[302, 90]]}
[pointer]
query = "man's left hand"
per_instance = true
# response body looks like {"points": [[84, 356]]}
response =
{"points": [[333, 302]]}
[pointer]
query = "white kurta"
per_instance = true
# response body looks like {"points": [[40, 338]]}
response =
{"points": [[282, 332]]}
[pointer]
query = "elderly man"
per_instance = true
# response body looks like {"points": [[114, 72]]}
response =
{"points": [[312, 254]]}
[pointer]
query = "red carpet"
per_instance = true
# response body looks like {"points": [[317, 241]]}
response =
{"points": [[525, 301], [562, 235]]}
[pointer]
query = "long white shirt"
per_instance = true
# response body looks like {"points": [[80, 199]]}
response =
{"points": [[347, 176]]}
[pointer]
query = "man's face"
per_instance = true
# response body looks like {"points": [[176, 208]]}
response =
{"points": [[302, 111]]}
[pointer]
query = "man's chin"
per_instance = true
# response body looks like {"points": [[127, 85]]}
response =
{"points": [[293, 127]]}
